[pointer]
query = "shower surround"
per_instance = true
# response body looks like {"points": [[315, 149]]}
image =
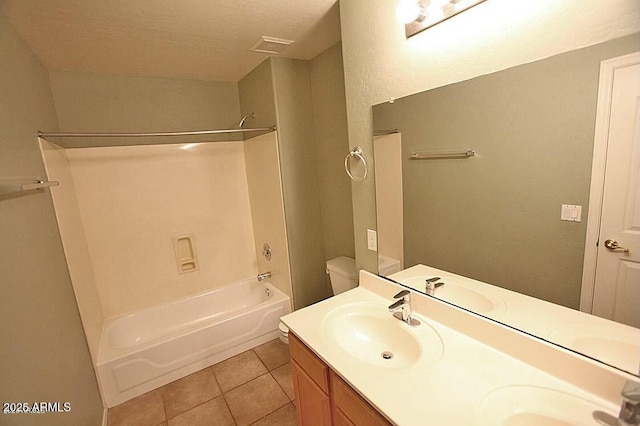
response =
{"points": [[119, 210], [134, 200]]}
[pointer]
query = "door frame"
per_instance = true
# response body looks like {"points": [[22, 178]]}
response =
{"points": [[598, 166]]}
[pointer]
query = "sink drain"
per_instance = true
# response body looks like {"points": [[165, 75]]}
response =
{"points": [[386, 355]]}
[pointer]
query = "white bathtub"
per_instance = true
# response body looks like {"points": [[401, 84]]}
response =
{"points": [[155, 346]]}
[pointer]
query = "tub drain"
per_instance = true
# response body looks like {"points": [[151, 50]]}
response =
{"points": [[387, 355]]}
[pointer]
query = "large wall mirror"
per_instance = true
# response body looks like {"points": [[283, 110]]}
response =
{"points": [[495, 216]]}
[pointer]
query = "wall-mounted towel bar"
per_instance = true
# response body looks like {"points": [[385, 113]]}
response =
{"points": [[457, 153], [383, 132], [17, 187]]}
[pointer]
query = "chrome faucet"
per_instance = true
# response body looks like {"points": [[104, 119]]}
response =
{"points": [[401, 309], [431, 285], [264, 276], [630, 407]]}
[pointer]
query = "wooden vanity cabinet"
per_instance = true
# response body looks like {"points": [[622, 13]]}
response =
{"points": [[310, 384], [322, 397]]}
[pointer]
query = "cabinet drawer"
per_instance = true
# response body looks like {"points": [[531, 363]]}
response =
{"points": [[309, 362], [351, 405]]}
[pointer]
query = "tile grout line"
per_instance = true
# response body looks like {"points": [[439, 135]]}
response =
{"points": [[279, 385], [203, 402], [164, 405], [222, 394], [244, 383], [281, 388], [270, 413]]}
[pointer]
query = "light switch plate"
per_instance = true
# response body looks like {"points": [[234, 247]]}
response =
{"points": [[571, 213], [372, 240]]}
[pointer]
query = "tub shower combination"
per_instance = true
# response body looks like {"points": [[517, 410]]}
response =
{"points": [[149, 348], [155, 346]]}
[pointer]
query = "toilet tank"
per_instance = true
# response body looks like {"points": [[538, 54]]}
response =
{"points": [[342, 273]]}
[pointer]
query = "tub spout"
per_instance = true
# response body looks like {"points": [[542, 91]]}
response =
{"points": [[264, 276]]}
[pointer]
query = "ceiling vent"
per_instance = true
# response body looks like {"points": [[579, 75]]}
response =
{"points": [[270, 45]]}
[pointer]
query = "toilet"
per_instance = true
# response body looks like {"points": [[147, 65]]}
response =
{"points": [[284, 333], [342, 273]]}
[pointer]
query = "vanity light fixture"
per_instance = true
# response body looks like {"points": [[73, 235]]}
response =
{"points": [[418, 15]]}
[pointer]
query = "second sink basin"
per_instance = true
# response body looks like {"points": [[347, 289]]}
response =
{"points": [[532, 406], [461, 295], [618, 346], [369, 333]]}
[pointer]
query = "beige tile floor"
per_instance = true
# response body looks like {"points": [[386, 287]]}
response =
{"points": [[252, 388]]}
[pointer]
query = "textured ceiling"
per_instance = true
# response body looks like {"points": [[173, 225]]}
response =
{"points": [[190, 39]]}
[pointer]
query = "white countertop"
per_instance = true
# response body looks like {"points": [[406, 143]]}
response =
{"points": [[451, 390], [613, 343]]}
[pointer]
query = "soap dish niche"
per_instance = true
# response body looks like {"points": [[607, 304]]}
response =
{"points": [[186, 257]]}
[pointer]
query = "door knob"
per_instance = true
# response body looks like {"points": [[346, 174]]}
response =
{"points": [[613, 245]]}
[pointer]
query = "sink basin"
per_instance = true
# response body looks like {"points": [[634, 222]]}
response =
{"points": [[461, 295], [369, 333], [533, 406], [617, 346]]}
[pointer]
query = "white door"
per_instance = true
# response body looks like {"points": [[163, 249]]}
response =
{"points": [[616, 293]]}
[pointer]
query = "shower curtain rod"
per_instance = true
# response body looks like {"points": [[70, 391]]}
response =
{"points": [[138, 135]]}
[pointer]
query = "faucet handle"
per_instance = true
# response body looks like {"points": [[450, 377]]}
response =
{"points": [[404, 298], [395, 305], [402, 294], [403, 304]]}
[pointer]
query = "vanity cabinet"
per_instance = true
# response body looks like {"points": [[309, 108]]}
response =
{"points": [[311, 385], [322, 397]]}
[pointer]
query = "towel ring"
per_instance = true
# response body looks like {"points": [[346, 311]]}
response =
{"points": [[355, 152]]}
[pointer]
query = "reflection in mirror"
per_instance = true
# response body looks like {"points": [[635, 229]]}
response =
{"points": [[495, 217]]}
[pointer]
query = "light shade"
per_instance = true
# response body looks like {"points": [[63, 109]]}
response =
{"points": [[408, 11], [431, 12]]}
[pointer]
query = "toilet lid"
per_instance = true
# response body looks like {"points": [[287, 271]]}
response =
{"points": [[283, 329]]}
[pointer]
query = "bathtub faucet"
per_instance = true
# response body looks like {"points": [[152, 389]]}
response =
{"points": [[264, 276]]}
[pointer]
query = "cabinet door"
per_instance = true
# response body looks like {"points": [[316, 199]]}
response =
{"points": [[352, 406], [313, 406], [315, 368], [341, 419]]}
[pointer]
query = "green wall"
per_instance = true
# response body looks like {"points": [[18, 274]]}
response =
{"points": [[332, 145], [112, 103], [381, 63], [256, 95], [305, 99], [300, 183], [496, 217], [44, 354]]}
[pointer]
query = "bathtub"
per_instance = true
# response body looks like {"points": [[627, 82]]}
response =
{"points": [[147, 349]]}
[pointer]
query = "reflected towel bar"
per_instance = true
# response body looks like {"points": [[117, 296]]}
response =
{"points": [[18, 187], [458, 153], [385, 132]]}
